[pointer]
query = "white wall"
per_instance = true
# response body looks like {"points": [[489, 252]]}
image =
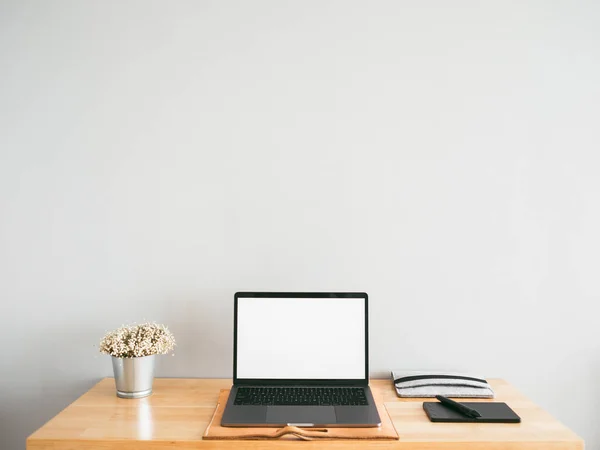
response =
{"points": [[155, 157]]}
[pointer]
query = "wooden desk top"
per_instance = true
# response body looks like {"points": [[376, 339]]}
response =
{"points": [[177, 413]]}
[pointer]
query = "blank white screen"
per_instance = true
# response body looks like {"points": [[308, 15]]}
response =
{"points": [[301, 338]]}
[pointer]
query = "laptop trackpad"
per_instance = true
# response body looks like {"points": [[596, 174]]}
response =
{"points": [[318, 415]]}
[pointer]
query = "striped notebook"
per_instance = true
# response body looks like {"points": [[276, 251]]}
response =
{"points": [[432, 383]]}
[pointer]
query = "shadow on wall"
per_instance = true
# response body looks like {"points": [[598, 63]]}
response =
{"points": [[25, 410], [204, 336], [203, 330], [592, 426]]}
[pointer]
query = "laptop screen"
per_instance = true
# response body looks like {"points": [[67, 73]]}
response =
{"points": [[301, 338]]}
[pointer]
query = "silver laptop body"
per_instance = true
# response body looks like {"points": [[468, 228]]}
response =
{"points": [[300, 359]]}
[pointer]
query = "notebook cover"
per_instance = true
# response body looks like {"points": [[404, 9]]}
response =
{"points": [[491, 412], [214, 430], [415, 384]]}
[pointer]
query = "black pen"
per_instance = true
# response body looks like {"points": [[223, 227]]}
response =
{"points": [[469, 412]]}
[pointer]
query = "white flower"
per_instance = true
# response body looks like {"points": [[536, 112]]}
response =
{"points": [[132, 341]]}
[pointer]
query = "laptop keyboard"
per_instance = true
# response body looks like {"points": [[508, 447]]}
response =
{"points": [[300, 396]]}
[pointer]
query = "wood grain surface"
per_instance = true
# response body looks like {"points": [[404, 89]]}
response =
{"points": [[179, 410]]}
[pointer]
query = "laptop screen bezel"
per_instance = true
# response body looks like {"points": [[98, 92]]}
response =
{"points": [[333, 382]]}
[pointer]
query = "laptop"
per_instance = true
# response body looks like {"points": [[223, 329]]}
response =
{"points": [[300, 359]]}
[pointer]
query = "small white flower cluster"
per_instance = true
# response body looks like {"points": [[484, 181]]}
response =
{"points": [[131, 341]]}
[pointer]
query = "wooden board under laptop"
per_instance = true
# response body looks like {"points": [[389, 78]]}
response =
{"points": [[214, 430]]}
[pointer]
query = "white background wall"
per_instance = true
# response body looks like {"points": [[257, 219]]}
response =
{"points": [[442, 156]]}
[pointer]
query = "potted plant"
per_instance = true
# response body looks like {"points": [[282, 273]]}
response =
{"points": [[133, 349]]}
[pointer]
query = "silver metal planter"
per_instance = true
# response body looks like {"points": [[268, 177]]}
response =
{"points": [[134, 376]]}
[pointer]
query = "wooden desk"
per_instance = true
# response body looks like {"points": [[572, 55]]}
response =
{"points": [[177, 413]]}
